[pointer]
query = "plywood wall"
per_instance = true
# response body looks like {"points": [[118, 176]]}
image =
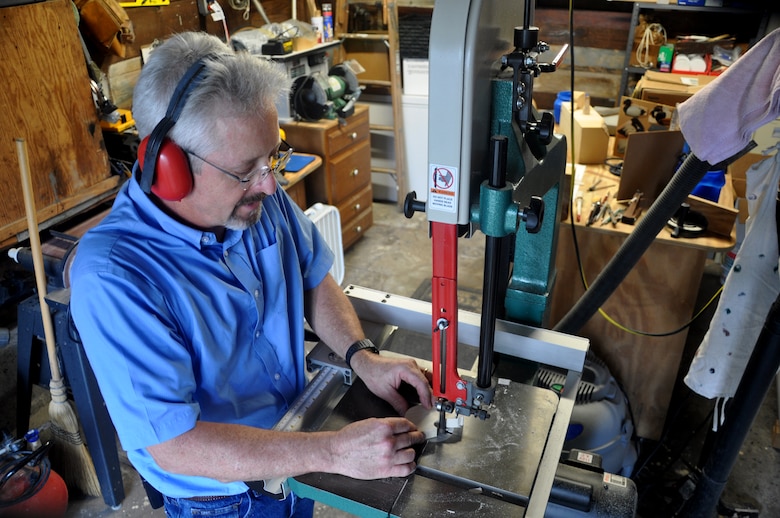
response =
{"points": [[47, 101]]}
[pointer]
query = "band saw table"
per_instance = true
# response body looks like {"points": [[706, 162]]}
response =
{"points": [[505, 465]]}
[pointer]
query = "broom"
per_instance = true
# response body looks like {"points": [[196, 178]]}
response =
{"points": [[76, 466]]}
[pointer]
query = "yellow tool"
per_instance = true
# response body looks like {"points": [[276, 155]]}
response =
{"points": [[124, 121]]}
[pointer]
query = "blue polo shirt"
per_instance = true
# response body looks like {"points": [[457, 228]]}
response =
{"points": [[180, 327]]}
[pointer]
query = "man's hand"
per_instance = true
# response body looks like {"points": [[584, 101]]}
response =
{"points": [[383, 376], [375, 448]]}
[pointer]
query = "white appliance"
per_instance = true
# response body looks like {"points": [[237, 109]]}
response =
{"points": [[415, 113]]}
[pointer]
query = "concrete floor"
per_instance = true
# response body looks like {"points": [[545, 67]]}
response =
{"points": [[395, 256]]}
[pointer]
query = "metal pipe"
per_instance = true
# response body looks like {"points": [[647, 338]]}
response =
{"points": [[490, 289]]}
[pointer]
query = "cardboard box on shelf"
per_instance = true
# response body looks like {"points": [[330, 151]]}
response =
{"points": [[669, 88], [591, 136]]}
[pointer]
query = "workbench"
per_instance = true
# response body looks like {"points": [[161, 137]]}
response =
{"points": [[657, 296]]}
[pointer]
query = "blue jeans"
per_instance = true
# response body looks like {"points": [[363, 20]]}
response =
{"points": [[246, 505]]}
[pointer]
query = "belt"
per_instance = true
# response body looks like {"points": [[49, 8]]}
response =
{"points": [[207, 498]]}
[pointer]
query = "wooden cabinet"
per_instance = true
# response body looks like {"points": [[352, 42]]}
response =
{"points": [[344, 179]]}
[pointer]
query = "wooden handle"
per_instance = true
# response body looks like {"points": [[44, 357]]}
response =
{"points": [[37, 254]]}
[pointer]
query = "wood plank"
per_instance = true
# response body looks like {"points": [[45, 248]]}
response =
{"points": [[47, 101], [720, 217], [15, 231]]}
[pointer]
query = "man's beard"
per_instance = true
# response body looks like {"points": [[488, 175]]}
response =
{"points": [[242, 223]]}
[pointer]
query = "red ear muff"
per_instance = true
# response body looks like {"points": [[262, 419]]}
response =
{"points": [[172, 177], [167, 172]]}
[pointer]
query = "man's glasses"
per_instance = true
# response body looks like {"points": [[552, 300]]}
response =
{"points": [[276, 164]]}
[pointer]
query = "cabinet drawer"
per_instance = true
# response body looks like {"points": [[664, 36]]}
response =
{"points": [[350, 171], [353, 230], [340, 137], [356, 204]]}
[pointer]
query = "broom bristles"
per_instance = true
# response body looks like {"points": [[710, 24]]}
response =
{"points": [[69, 453]]}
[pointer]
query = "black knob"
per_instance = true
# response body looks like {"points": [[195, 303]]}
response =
{"points": [[533, 215], [546, 127], [412, 205]]}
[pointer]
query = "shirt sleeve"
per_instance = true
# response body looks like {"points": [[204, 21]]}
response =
{"points": [[143, 369]]}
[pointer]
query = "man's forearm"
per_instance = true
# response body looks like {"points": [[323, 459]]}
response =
{"points": [[331, 315], [230, 452], [370, 448]]}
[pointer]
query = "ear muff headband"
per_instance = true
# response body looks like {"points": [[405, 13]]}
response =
{"points": [[191, 78]]}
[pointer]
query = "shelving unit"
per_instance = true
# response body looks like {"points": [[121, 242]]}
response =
{"points": [[369, 34], [748, 25]]}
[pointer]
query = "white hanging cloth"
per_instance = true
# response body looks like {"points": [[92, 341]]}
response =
{"points": [[748, 293]]}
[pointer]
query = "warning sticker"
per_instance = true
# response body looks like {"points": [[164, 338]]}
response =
{"points": [[443, 188], [617, 480]]}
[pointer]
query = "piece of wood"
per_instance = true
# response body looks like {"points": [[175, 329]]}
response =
{"points": [[86, 198], [650, 162], [720, 217], [47, 100]]}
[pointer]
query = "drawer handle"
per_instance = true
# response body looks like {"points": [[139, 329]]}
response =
{"points": [[358, 229], [353, 135], [357, 207], [355, 172]]}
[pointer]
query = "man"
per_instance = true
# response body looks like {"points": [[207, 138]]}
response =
{"points": [[191, 310]]}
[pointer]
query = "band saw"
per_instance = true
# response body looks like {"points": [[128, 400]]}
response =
{"points": [[495, 440]]}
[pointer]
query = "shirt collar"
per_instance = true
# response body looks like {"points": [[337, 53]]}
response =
{"points": [[193, 236]]}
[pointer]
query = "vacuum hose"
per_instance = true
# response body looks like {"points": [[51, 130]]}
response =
{"points": [[682, 183]]}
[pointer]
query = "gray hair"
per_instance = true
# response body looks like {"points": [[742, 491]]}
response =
{"points": [[236, 84]]}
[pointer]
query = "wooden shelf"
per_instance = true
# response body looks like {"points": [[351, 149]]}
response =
{"points": [[748, 24], [363, 36], [378, 53]]}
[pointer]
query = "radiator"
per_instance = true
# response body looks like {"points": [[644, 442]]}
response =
{"points": [[327, 220]]}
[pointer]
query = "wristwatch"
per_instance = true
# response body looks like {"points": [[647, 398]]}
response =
{"points": [[359, 346]]}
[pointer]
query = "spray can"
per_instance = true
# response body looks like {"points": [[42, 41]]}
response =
{"points": [[327, 22]]}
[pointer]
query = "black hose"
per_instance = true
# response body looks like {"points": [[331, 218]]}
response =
{"points": [[677, 190]]}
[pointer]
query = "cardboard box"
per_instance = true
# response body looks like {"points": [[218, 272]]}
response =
{"points": [[591, 136], [639, 116], [669, 89], [738, 173]]}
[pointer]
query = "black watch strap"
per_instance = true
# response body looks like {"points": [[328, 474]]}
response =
{"points": [[359, 346]]}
